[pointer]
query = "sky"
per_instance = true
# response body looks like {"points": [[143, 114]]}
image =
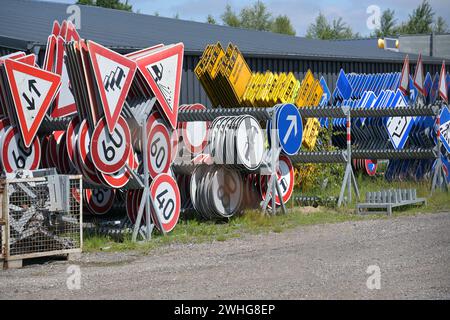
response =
{"points": [[355, 13]]}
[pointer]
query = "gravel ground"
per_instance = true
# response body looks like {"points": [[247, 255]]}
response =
{"points": [[313, 262]]}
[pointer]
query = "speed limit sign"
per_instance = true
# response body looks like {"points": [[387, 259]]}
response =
{"points": [[159, 150], [99, 201], [165, 196], [110, 151], [15, 156], [285, 177]]}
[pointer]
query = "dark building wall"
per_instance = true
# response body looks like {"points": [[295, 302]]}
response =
{"points": [[192, 91]]}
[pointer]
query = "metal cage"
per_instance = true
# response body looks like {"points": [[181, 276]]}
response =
{"points": [[40, 217]]}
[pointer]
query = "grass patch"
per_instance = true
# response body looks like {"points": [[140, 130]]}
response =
{"points": [[253, 222]]}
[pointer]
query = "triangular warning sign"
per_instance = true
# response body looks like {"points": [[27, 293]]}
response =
{"points": [[443, 84], [33, 90], [404, 80], [65, 101], [113, 75], [162, 71], [418, 76]]}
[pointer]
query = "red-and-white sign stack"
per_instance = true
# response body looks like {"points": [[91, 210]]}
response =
{"points": [[89, 85]]}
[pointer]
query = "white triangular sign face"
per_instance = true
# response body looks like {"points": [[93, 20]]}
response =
{"points": [[164, 72], [443, 84], [32, 90], [65, 101], [418, 76], [404, 80], [161, 69], [113, 76]]}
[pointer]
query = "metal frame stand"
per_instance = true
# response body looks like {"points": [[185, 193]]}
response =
{"points": [[273, 184], [439, 179], [146, 201], [349, 176]]}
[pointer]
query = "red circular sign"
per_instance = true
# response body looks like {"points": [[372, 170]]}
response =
{"points": [[14, 154], [159, 150], [285, 176], [166, 200], [99, 201], [110, 152], [195, 134]]}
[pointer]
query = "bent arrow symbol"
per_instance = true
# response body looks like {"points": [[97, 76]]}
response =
{"points": [[293, 125]]}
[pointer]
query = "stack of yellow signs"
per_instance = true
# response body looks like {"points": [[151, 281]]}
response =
{"points": [[229, 82], [268, 89], [223, 74], [309, 95]]}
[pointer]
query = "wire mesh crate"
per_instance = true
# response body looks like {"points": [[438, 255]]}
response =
{"points": [[42, 217]]}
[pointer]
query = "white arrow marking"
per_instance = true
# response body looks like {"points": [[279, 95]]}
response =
{"points": [[293, 125]]}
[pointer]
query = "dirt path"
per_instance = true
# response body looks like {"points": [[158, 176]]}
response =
{"points": [[323, 261]]}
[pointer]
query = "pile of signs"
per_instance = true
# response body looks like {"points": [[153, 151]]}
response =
{"points": [[101, 95]]}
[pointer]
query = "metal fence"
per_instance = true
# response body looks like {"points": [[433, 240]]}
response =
{"points": [[37, 224]]}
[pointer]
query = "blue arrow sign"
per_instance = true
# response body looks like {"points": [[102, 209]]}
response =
{"points": [[290, 128], [399, 127], [413, 92], [326, 92], [343, 85], [445, 128]]}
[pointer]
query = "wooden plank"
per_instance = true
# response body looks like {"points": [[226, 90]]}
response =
{"points": [[43, 254]]}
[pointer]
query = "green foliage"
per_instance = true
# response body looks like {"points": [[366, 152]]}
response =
{"points": [[440, 25], [230, 18], [324, 30], [257, 17], [387, 24], [283, 25], [210, 19], [111, 4], [420, 20]]}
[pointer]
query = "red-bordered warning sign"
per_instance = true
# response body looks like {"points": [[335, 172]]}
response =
{"points": [[404, 79], [162, 70], [65, 102], [56, 28], [113, 75], [72, 34], [33, 90], [419, 76], [443, 84], [166, 199]]}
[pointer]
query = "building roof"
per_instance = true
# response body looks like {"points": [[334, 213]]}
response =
{"points": [[25, 23]]}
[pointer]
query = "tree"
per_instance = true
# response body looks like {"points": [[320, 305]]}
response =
{"points": [[230, 18], [419, 21], [256, 17], [322, 29], [283, 25], [387, 24], [210, 19], [440, 25], [111, 4]]}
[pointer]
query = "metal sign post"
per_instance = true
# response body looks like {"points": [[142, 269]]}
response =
{"points": [[439, 179], [349, 176], [146, 202], [273, 184]]}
